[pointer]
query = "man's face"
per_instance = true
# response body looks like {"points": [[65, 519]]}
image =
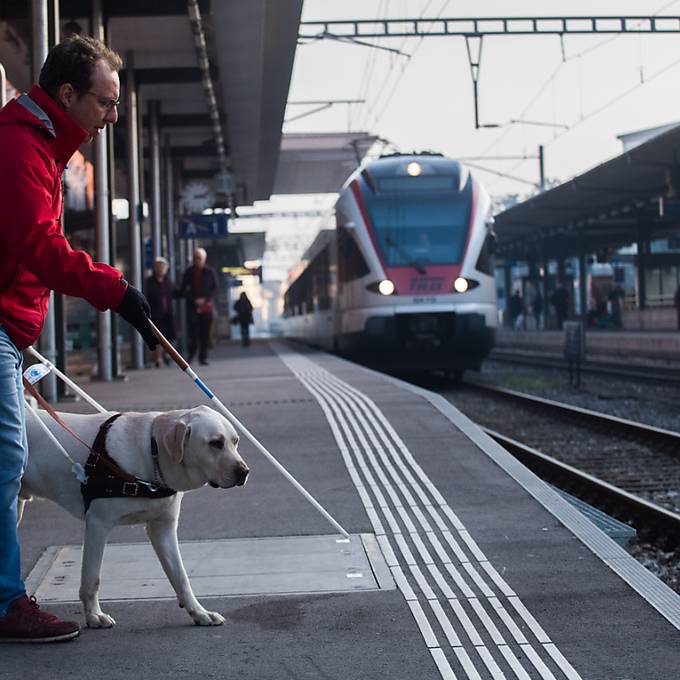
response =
{"points": [[199, 259], [94, 109]]}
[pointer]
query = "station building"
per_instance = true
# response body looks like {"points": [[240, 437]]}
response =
{"points": [[610, 236]]}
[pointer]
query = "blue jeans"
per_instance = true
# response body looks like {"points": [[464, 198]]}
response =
{"points": [[13, 455]]}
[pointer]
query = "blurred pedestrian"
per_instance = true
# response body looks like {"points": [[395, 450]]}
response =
{"points": [[199, 287], [244, 314], [516, 304], [76, 98], [676, 300], [615, 299], [560, 302], [159, 293]]}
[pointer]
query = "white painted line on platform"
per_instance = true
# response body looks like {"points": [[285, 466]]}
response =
{"points": [[385, 463], [442, 663]]}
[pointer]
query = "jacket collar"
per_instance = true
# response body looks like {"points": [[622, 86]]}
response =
{"points": [[64, 134]]}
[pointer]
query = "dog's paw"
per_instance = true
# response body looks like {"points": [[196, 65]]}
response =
{"points": [[99, 620], [206, 618]]}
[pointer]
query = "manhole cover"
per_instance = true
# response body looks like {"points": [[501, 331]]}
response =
{"points": [[221, 568]]}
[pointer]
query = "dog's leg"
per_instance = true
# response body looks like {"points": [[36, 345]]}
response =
{"points": [[97, 531], [163, 536]]}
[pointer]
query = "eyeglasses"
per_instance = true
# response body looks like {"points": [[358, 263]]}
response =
{"points": [[105, 102]]}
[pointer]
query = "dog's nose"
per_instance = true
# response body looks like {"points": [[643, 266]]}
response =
{"points": [[242, 471]]}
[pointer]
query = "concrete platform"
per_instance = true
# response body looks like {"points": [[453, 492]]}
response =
{"points": [[662, 347], [497, 576]]}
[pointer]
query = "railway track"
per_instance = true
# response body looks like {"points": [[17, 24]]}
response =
{"points": [[605, 481], [647, 373]]}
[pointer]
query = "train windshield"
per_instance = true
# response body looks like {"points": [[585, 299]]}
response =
{"points": [[423, 229]]}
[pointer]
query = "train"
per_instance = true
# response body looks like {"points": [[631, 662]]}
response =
{"points": [[406, 277]]}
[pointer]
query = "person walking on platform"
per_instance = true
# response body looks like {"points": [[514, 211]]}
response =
{"points": [[676, 300], [159, 293], [516, 311], [75, 99], [244, 315], [199, 286], [560, 302]]}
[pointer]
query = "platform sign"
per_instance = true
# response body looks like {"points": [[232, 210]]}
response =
{"points": [[204, 226]]}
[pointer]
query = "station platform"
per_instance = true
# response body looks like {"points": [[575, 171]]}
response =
{"points": [[461, 563], [661, 347]]}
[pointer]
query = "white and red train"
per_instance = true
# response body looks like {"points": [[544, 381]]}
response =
{"points": [[407, 276]]}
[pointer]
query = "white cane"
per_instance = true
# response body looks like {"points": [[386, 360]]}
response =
{"points": [[184, 366]]}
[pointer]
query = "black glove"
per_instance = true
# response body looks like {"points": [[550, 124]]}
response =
{"points": [[136, 311]]}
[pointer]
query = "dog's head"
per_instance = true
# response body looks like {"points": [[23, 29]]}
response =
{"points": [[199, 446]]}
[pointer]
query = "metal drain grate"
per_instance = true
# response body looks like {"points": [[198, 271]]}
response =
{"points": [[221, 568]]}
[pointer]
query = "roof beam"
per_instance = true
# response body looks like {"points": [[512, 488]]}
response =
{"points": [[478, 27]]}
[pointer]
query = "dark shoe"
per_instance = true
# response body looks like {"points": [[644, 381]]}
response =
{"points": [[204, 362], [26, 622]]}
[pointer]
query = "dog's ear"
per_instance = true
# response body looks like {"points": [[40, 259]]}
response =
{"points": [[172, 434]]}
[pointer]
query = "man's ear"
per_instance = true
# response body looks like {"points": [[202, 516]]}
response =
{"points": [[66, 95], [172, 435]]}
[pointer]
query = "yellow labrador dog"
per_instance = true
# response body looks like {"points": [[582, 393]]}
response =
{"points": [[194, 447]]}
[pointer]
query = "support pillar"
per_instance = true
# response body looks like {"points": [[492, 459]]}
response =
{"points": [[102, 205], [135, 275], [642, 250], [507, 281], [40, 40], [170, 229], [155, 180], [583, 282]]}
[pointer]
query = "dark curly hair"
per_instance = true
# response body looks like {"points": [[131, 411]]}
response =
{"points": [[73, 61]]}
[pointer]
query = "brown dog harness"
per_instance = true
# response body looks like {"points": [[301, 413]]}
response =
{"points": [[105, 479]]}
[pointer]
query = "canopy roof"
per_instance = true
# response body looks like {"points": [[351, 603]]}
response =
{"points": [[602, 208]]}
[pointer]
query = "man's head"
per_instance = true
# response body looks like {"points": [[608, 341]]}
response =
{"points": [[200, 256], [160, 267], [81, 74]]}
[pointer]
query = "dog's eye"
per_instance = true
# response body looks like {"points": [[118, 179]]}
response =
{"points": [[217, 443], [234, 441]]}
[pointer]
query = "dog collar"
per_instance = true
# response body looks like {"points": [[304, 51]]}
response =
{"points": [[157, 472]]}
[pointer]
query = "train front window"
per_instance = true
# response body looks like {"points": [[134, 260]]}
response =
{"points": [[420, 230]]}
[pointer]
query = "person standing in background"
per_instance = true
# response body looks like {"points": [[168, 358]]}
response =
{"points": [[199, 287], [159, 293]]}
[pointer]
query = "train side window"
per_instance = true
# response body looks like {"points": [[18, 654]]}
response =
{"points": [[351, 263], [486, 260]]}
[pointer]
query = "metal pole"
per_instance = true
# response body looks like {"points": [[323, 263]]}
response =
{"points": [[155, 177], [102, 204], [135, 275], [3, 86], [541, 169], [40, 39], [170, 209]]}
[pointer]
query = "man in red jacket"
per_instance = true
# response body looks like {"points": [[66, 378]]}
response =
{"points": [[76, 98]]}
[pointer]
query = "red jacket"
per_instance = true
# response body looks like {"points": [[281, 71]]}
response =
{"points": [[36, 143]]}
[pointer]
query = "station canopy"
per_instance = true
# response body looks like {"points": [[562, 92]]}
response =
{"points": [[319, 163], [251, 46], [604, 208]]}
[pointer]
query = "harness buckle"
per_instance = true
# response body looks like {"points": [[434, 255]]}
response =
{"points": [[134, 486]]}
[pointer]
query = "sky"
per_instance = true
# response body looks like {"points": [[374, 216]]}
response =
{"points": [[584, 90]]}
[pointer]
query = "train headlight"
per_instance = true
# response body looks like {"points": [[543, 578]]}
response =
{"points": [[386, 287], [414, 169], [460, 285]]}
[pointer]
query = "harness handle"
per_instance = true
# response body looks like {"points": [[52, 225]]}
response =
{"points": [[108, 462]]}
